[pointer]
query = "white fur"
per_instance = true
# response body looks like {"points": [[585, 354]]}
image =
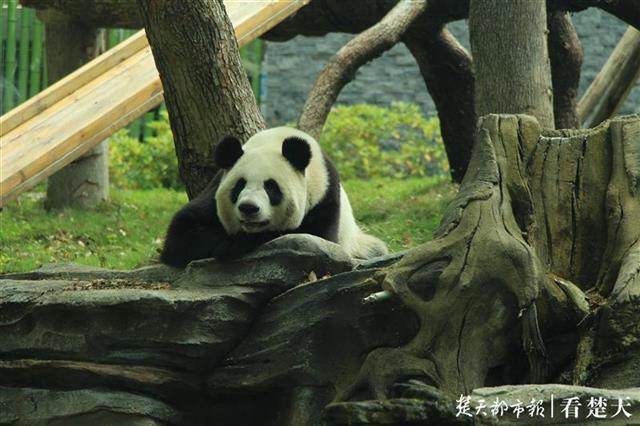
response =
{"points": [[263, 160]]}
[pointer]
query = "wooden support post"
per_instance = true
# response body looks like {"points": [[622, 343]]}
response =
{"points": [[607, 92], [85, 182]]}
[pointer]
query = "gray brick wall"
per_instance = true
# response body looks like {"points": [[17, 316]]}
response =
{"points": [[292, 67]]}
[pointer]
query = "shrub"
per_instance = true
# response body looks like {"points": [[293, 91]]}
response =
{"points": [[367, 141], [144, 165]]}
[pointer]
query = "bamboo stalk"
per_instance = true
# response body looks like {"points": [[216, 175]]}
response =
{"points": [[45, 73], [147, 130], [36, 58], [23, 66], [2, 17], [113, 38], [10, 64], [134, 128]]}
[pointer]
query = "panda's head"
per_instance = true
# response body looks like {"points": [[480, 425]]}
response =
{"points": [[263, 187]]}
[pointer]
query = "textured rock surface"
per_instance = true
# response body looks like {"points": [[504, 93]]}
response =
{"points": [[148, 335], [151, 336], [421, 405]]}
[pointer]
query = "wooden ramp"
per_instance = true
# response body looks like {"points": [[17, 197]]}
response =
{"points": [[60, 124]]}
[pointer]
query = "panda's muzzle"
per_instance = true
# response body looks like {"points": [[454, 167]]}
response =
{"points": [[248, 209], [250, 215]]}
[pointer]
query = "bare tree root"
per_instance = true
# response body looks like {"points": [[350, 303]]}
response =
{"points": [[476, 281]]}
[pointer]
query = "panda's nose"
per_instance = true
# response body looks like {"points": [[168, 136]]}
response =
{"points": [[248, 209]]}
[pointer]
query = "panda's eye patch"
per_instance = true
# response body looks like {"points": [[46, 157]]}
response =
{"points": [[273, 191], [237, 189]]}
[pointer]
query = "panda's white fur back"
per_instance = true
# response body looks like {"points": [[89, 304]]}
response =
{"points": [[350, 237], [353, 241]]}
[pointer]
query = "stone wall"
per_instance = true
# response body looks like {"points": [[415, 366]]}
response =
{"points": [[292, 67]]}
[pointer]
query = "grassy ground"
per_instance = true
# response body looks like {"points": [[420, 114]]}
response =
{"points": [[127, 231]]}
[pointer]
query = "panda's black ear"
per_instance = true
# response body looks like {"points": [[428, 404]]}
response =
{"points": [[228, 151], [297, 151]]}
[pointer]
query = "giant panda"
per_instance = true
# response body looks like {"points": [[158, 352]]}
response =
{"points": [[278, 182]]}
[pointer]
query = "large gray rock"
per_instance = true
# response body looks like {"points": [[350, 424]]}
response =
{"points": [[155, 331], [87, 407]]}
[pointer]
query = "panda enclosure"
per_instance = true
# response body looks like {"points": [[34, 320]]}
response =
{"points": [[533, 275]]}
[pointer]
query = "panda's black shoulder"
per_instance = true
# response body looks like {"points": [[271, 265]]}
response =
{"points": [[191, 230], [332, 193], [323, 218]]}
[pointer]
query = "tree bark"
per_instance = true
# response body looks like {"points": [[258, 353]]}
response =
{"points": [[94, 13], [206, 90], [607, 92], [512, 72], [542, 216], [321, 17], [342, 67], [446, 68], [565, 54], [70, 44]]}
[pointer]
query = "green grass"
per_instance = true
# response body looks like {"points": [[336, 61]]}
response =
{"points": [[123, 233], [127, 231], [403, 213]]}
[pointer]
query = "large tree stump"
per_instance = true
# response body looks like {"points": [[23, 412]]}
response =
{"points": [[537, 211]]}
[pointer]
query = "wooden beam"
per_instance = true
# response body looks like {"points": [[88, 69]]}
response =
{"points": [[607, 92], [63, 122], [69, 84]]}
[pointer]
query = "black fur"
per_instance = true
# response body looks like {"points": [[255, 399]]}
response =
{"points": [[196, 232], [272, 189], [323, 219], [237, 189], [227, 152], [297, 151]]}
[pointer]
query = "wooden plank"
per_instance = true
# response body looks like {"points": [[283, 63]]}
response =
{"points": [[71, 83], [63, 122], [47, 154]]}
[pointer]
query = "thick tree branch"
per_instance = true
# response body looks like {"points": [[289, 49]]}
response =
{"points": [[95, 13], [565, 54], [626, 10], [321, 17], [342, 67], [613, 83], [447, 71]]}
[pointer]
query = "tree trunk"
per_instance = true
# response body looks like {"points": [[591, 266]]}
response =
{"points": [[538, 211], [565, 54], [85, 182], [206, 89], [512, 72], [446, 68]]}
